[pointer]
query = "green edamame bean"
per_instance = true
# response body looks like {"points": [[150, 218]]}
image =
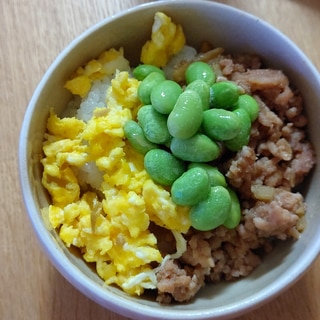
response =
{"points": [[216, 178], [191, 187], [200, 70], [211, 212], [234, 216], [134, 133], [198, 148], [186, 117], [163, 167], [164, 96], [243, 137], [147, 84], [143, 70], [153, 124], [224, 95], [203, 90], [250, 104], [220, 124]]}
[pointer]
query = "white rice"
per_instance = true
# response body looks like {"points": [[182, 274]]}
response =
{"points": [[187, 53], [96, 98]]}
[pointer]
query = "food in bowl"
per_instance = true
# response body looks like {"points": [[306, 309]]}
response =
{"points": [[105, 202]]}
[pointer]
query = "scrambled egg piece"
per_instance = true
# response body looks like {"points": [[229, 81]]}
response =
{"points": [[167, 39], [81, 82], [109, 223]]}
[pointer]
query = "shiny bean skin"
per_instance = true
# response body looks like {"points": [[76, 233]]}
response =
{"points": [[191, 187], [234, 216], [143, 70], [163, 167], [164, 96], [216, 178], [147, 84], [200, 70], [153, 124], [220, 124], [186, 117], [249, 103], [224, 95], [213, 211], [134, 133], [198, 148], [243, 137], [203, 90]]}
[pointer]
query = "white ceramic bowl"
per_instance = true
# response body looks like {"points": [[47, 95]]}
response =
{"points": [[229, 28]]}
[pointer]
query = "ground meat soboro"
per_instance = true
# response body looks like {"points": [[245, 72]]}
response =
{"points": [[264, 174]]}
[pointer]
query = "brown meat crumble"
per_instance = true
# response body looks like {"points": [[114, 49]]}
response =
{"points": [[264, 174]]}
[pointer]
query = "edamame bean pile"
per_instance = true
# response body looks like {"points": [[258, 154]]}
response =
{"points": [[181, 129], [179, 172]]}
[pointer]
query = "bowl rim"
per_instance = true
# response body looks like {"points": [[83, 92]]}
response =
{"points": [[86, 285]]}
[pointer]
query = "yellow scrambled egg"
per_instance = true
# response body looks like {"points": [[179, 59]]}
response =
{"points": [[81, 82], [109, 223], [167, 39]]}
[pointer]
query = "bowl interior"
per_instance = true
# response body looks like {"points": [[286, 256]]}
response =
{"points": [[223, 26]]}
